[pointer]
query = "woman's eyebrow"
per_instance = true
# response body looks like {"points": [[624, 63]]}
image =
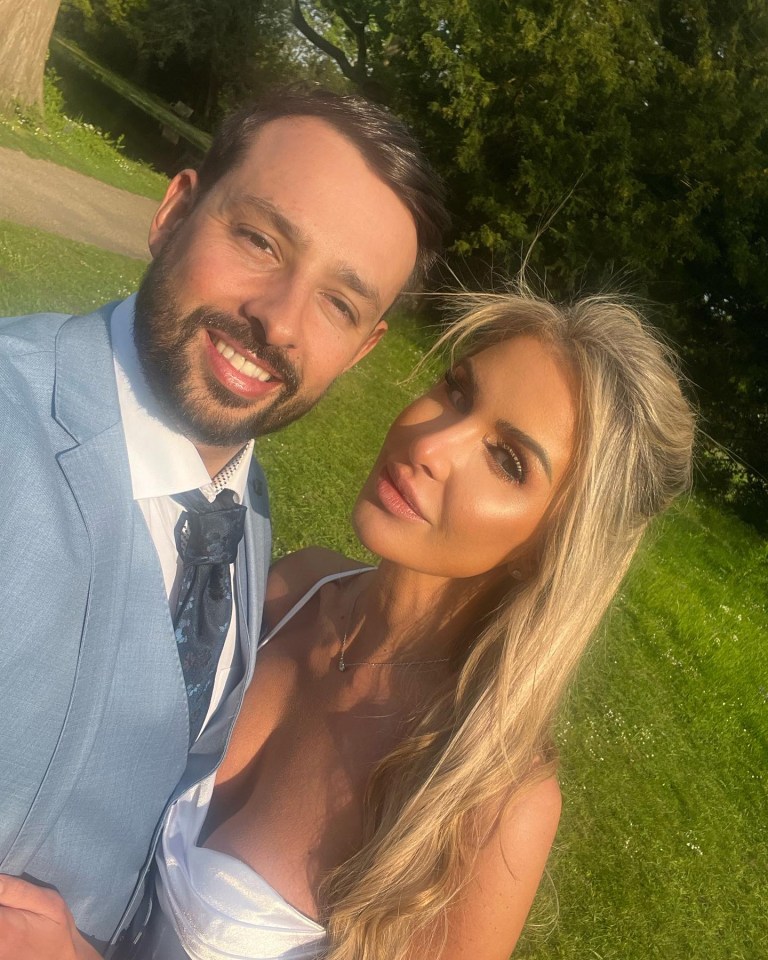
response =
{"points": [[509, 430]]}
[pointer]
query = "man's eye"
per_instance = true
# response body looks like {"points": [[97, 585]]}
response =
{"points": [[256, 239], [342, 307], [456, 394]]}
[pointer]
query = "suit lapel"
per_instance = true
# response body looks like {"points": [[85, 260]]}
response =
{"points": [[255, 552], [85, 404], [96, 469], [85, 395]]}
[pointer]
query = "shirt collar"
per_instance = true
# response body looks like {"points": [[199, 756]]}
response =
{"points": [[162, 461]]}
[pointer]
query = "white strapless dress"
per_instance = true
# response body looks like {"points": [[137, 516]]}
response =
{"points": [[214, 906], [217, 906]]}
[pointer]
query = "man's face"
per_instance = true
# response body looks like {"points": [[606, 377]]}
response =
{"points": [[272, 284]]}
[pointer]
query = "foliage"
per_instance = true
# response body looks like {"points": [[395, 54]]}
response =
{"points": [[208, 54], [599, 141], [75, 143]]}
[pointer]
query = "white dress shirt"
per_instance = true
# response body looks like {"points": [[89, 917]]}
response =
{"points": [[164, 462]]}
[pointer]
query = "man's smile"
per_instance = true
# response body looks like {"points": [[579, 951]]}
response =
{"points": [[240, 360], [239, 371]]}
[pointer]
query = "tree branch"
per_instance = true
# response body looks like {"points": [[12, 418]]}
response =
{"points": [[358, 32], [354, 72]]}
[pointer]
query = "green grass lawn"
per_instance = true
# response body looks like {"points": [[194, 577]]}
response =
{"points": [[74, 143], [663, 848], [40, 272]]}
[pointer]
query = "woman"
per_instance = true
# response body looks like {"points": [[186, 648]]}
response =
{"points": [[389, 792]]}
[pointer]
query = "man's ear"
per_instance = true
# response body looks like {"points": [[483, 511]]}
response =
{"points": [[175, 207], [373, 338]]}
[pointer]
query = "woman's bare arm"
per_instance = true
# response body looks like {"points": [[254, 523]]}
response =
{"points": [[488, 920]]}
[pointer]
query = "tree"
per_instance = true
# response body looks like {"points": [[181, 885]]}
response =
{"points": [[210, 54], [25, 32], [602, 138]]}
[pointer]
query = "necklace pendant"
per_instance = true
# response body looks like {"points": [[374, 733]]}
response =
{"points": [[342, 666]]}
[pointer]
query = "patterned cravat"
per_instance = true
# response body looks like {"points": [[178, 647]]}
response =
{"points": [[207, 537]]}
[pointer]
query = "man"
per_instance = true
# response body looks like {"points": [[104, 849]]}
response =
{"points": [[273, 267]]}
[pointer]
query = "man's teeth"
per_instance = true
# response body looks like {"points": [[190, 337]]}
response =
{"points": [[240, 363]]}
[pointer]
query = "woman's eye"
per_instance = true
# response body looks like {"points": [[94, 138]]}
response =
{"points": [[507, 461], [456, 394]]}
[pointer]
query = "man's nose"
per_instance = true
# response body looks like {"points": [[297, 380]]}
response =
{"points": [[278, 312]]}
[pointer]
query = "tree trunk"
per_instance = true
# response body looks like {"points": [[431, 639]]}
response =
{"points": [[25, 32]]}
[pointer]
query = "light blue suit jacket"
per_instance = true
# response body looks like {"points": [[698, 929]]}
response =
{"points": [[94, 732]]}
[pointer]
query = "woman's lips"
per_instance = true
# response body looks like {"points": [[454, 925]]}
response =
{"points": [[237, 370], [395, 499]]}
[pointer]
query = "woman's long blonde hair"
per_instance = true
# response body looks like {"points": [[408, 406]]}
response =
{"points": [[488, 735]]}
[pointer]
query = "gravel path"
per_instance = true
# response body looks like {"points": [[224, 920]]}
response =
{"points": [[38, 193]]}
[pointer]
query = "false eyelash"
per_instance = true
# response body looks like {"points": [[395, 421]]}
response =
{"points": [[521, 469], [450, 379]]}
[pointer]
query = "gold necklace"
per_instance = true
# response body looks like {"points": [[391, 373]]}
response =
{"points": [[342, 664]]}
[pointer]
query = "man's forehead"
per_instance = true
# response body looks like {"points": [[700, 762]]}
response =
{"points": [[298, 137], [299, 154]]}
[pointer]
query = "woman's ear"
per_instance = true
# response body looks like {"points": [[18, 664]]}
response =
{"points": [[174, 209], [521, 566]]}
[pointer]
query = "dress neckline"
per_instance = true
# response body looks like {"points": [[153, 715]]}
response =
{"points": [[238, 866]]}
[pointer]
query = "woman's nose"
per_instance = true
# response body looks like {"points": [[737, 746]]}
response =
{"points": [[442, 444]]}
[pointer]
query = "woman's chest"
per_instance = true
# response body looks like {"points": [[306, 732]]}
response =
{"points": [[294, 811]]}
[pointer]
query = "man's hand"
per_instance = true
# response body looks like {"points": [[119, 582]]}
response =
{"points": [[35, 924]]}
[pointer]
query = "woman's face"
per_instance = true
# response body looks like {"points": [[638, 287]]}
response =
{"points": [[468, 470]]}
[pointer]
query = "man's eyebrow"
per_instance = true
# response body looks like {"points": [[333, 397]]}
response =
{"points": [[277, 218], [509, 430], [352, 279]]}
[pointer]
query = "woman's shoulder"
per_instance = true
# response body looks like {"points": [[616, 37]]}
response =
{"points": [[530, 819], [293, 575], [535, 812], [487, 922]]}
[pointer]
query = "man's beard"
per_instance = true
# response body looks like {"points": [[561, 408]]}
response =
{"points": [[207, 412]]}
